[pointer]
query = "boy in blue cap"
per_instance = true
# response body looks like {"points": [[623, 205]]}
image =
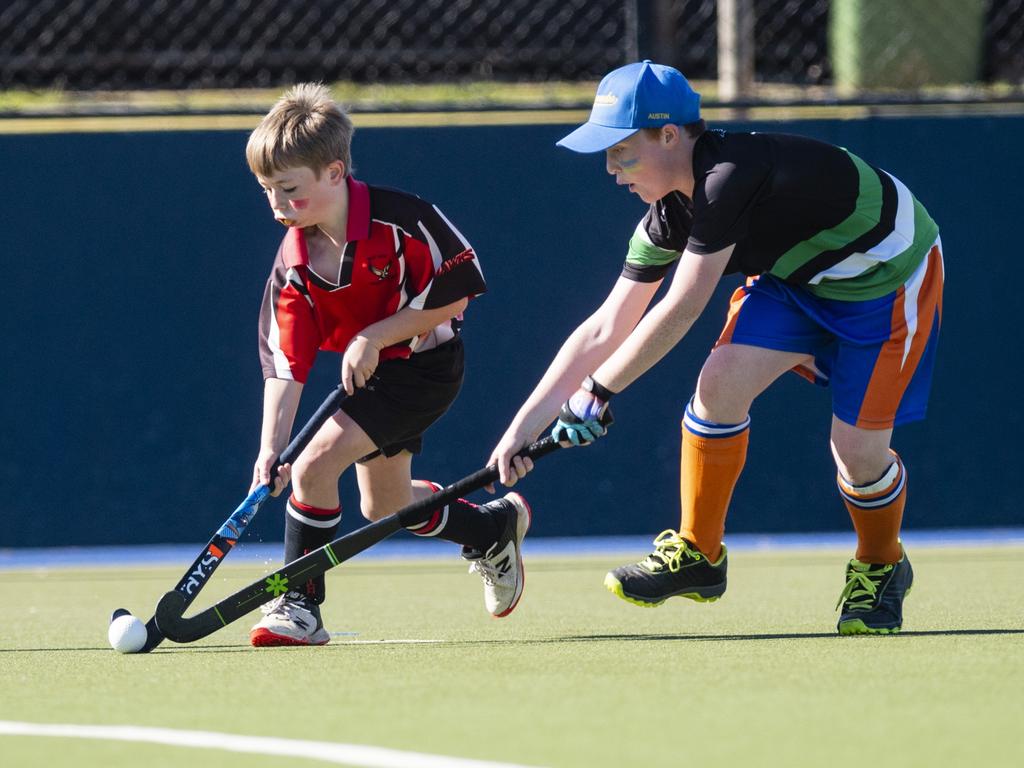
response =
{"points": [[844, 286]]}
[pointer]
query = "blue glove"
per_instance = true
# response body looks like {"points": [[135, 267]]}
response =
{"points": [[586, 416]]}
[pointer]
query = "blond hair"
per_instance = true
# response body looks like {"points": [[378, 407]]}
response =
{"points": [[304, 128]]}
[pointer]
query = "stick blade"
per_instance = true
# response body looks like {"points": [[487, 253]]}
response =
{"points": [[118, 613], [153, 636], [174, 626], [169, 614]]}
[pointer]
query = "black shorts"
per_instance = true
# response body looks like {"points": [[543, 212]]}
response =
{"points": [[405, 396]]}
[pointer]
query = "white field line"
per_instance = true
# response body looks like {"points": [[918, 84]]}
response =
{"points": [[396, 641], [325, 751]]}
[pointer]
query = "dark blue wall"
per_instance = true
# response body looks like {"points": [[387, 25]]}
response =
{"points": [[135, 265]]}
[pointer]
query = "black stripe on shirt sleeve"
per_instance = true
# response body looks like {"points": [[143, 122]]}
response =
{"points": [[645, 273]]}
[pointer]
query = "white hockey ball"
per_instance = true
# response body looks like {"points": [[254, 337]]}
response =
{"points": [[127, 634]]}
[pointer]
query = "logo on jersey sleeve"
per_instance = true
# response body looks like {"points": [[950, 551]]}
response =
{"points": [[454, 261]]}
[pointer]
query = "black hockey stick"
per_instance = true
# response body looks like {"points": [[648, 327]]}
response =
{"points": [[170, 610], [227, 535]]}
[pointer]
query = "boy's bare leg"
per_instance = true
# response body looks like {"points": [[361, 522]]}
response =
{"points": [[386, 485], [339, 444], [862, 455], [734, 375]]}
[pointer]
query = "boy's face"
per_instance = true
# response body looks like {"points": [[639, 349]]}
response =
{"points": [[642, 163], [299, 199]]}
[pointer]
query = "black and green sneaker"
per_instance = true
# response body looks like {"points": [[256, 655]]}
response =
{"points": [[872, 600], [676, 568]]}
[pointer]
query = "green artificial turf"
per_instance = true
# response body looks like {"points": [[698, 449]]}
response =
{"points": [[574, 677]]}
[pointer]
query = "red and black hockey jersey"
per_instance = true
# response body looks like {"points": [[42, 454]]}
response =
{"points": [[400, 251]]}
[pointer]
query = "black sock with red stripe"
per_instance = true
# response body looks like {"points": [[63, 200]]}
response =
{"points": [[307, 528], [463, 522]]}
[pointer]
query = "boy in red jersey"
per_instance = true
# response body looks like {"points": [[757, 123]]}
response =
{"points": [[381, 277]]}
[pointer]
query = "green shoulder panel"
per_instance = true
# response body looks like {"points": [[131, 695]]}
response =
{"points": [[643, 253]]}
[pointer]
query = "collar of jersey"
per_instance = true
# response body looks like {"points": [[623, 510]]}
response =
{"points": [[358, 210]]}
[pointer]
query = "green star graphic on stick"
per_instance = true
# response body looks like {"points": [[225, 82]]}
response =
{"points": [[277, 584]]}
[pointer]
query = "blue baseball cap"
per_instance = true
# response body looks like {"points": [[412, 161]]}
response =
{"points": [[641, 95]]}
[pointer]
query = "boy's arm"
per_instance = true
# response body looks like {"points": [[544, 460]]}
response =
{"points": [[280, 403], [581, 418], [363, 353], [593, 341], [668, 321]]}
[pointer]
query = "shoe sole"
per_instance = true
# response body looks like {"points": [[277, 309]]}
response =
{"points": [[614, 586], [858, 627], [264, 638], [522, 510]]}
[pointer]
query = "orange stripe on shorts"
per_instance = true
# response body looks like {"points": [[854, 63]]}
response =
{"points": [[735, 303], [892, 373]]}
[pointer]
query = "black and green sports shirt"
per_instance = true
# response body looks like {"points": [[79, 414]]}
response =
{"points": [[807, 212]]}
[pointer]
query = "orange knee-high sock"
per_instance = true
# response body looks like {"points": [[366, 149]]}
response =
{"points": [[713, 457], [877, 512]]}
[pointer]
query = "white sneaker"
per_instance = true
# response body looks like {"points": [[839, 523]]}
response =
{"points": [[291, 619], [501, 566]]}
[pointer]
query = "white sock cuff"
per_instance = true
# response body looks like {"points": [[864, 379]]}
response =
{"points": [[315, 522], [692, 423], [879, 493]]}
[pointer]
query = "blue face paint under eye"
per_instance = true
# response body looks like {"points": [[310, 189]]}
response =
{"points": [[629, 163]]}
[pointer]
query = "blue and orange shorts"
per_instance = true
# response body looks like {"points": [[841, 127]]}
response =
{"points": [[877, 355]]}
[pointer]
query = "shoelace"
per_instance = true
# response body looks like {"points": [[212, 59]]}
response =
{"points": [[861, 588], [669, 550], [486, 570], [283, 606]]}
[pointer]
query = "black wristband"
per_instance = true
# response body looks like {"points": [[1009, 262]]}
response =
{"points": [[597, 389]]}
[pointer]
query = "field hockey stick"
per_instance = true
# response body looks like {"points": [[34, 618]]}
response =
{"points": [[227, 535], [170, 609]]}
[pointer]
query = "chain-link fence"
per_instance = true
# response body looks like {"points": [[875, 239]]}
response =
{"points": [[256, 43], [1003, 59], [865, 44], [149, 44], [790, 38]]}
